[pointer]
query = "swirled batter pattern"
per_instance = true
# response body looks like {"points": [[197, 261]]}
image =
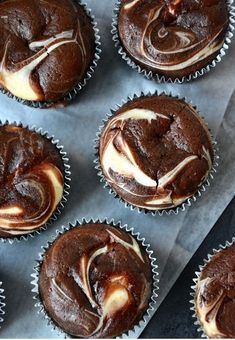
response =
{"points": [[95, 281], [46, 47], [173, 37], [31, 180], [215, 292], [155, 152]]}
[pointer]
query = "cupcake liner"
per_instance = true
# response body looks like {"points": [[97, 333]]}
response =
{"points": [[161, 78], [152, 302], [195, 281], [2, 304], [67, 179], [161, 212], [74, 92]]}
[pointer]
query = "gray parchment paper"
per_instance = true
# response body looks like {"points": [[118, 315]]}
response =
{"points": [[174, 238]]}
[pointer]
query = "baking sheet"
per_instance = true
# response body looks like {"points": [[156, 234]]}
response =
{"points": [[174, 238]]}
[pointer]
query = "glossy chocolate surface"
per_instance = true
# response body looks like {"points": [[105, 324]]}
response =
{"points": [[155, 152], [95, 281], [31, 180], [215, 295], [174, 38], [46, 47]]}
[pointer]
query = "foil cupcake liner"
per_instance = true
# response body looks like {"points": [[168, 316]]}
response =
{"points": [[152, 302], [172, 211], [197, 322], [161, 78], [67, 180], [2, 304], [74, 92]]}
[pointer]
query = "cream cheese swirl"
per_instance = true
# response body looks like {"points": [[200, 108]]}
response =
{"points": [[208, 312], [15, 219], [166, 37], [31, 183], [46, 48], [106, 294], [126, 170], [214, 295], [20, 73]]}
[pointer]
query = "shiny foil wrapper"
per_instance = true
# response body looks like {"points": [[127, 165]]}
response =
{"points": [[67, 180], [152, 303], [2, 304], [171, 211], [161, 78], [75, 91], [197, 322]]}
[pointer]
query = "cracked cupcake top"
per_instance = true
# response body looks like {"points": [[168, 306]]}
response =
{"points": [[174, 38], [95, 281], [46, 45], [31, 180], [155, 152], [215, 295]]}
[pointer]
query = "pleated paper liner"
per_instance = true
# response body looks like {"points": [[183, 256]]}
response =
{"points": [[183, 206], [197, 322], [152, 303], [2, 304], [66, 176], [161, 78], [75, 91]]}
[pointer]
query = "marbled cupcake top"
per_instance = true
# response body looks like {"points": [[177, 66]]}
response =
{"points": [[46, 47], [155, 152], [95, 281], [215, 295], [173, 37], [31, 180]]}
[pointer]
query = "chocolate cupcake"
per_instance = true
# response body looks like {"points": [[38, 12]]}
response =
{"points": [[173, 39], [155, 152], [214, 302], [33, 180], [96, 280], [49, 46]]}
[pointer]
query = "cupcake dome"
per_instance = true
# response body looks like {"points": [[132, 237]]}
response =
{"points": [[173, 38], [31, 180], [214, 296], [155, 152], [46, 47], [95, 281]]}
